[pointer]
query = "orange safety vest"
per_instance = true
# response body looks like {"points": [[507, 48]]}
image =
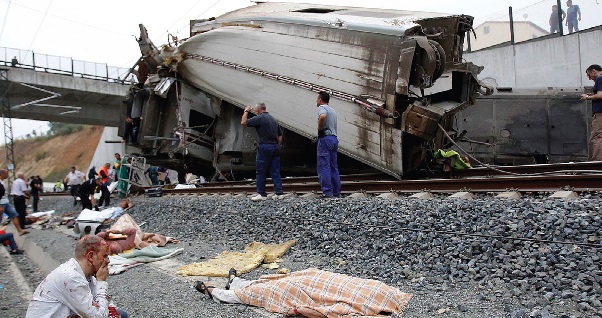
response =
{"points": [[106, 171]]}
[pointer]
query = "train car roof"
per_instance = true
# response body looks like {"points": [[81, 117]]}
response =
{"points": [[385, 21]]}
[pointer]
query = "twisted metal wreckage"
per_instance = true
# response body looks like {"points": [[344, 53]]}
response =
{"points": [[394, 77]]}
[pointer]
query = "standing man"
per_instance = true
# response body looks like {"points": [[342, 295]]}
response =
{"points": [[36, 188], [116, 166], [573, 16], [5, 203], [78, 287], [594, 73], [554, 23], [328, 144], [104, 189], [124, 176], [74, 179], [269, 137], [20, 192]]}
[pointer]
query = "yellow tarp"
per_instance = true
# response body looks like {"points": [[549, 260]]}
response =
{"points": [[255, 253]]}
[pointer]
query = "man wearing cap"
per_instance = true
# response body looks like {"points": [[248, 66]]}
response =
{"points": [[74, 180], [269, 137]]}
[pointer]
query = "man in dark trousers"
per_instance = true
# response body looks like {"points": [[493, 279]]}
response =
{"points": [[86, 193], [269, 137], [594, 73], [328, 145], [20, 193], [36, 189]]}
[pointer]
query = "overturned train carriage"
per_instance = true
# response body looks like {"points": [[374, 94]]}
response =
{"points": [[395, 78]]}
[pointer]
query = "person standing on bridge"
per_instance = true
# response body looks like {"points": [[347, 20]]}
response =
{"points": [[573, 16], [328, 145], [269, 137], [555, 25], [594, 73]]}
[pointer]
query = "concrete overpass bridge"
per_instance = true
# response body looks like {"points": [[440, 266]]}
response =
{"points": [[51, 88]]}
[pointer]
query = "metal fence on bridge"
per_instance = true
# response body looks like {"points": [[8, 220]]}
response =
{"points": [[533, 19], [65, 65]]}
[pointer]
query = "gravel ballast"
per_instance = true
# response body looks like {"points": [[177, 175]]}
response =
{"points": [[451, 254]]}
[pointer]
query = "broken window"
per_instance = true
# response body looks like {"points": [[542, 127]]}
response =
{"points": [[316, 10]]}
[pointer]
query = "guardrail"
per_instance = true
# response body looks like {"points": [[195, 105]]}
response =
{"points": [[531, 20], [65, 65]]}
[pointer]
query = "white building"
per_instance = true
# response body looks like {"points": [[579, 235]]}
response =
{"points": [[491, 33]]}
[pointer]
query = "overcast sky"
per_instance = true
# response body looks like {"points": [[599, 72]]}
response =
{"points": [[103, 31]]}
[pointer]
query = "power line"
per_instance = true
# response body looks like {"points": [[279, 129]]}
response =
{"points": [[5, 18], [40, 26]]}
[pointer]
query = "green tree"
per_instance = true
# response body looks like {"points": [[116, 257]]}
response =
{"points": [[63, 129]]}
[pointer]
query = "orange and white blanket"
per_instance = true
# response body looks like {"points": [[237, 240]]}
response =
{"points": [[331, 294]]}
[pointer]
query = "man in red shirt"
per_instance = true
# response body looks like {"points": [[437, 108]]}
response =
{"points": [[104, 188]]}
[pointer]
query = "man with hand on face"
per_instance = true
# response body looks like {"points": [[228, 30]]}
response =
{"points": [[77, 287]]}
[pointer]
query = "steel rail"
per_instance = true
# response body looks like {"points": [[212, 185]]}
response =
{"points": [[498, 184], [582, 176]]}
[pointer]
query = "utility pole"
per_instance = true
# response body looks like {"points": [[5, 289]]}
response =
{"points": [[8, 125], [560, 30], [511, 25]]}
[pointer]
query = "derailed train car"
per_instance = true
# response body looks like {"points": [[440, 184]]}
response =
{"points": [[395, 78]]}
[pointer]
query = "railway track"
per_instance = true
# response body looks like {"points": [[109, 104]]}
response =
{"points": [[580, 177], [547, 178]]}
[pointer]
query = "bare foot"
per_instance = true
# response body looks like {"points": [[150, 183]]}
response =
{"points": [[24, 232]]}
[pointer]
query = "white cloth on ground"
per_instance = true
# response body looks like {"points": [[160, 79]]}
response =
{"points": [[99, 216], [229, 296], [121, 262], [66, 292], [38, 214]]}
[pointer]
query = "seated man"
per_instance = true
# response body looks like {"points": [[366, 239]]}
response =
{"points": [[78, 287], [311, 293], [11, 242]]}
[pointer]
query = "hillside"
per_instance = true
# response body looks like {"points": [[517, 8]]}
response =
{"points": [[51, 157]]}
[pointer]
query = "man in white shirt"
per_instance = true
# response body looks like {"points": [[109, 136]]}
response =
{"points": [[74, 180], [20, 192], [5, 203], [77, 287]]}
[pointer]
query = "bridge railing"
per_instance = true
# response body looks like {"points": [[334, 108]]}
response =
{"points": [[65, 65], [523, 23]]}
